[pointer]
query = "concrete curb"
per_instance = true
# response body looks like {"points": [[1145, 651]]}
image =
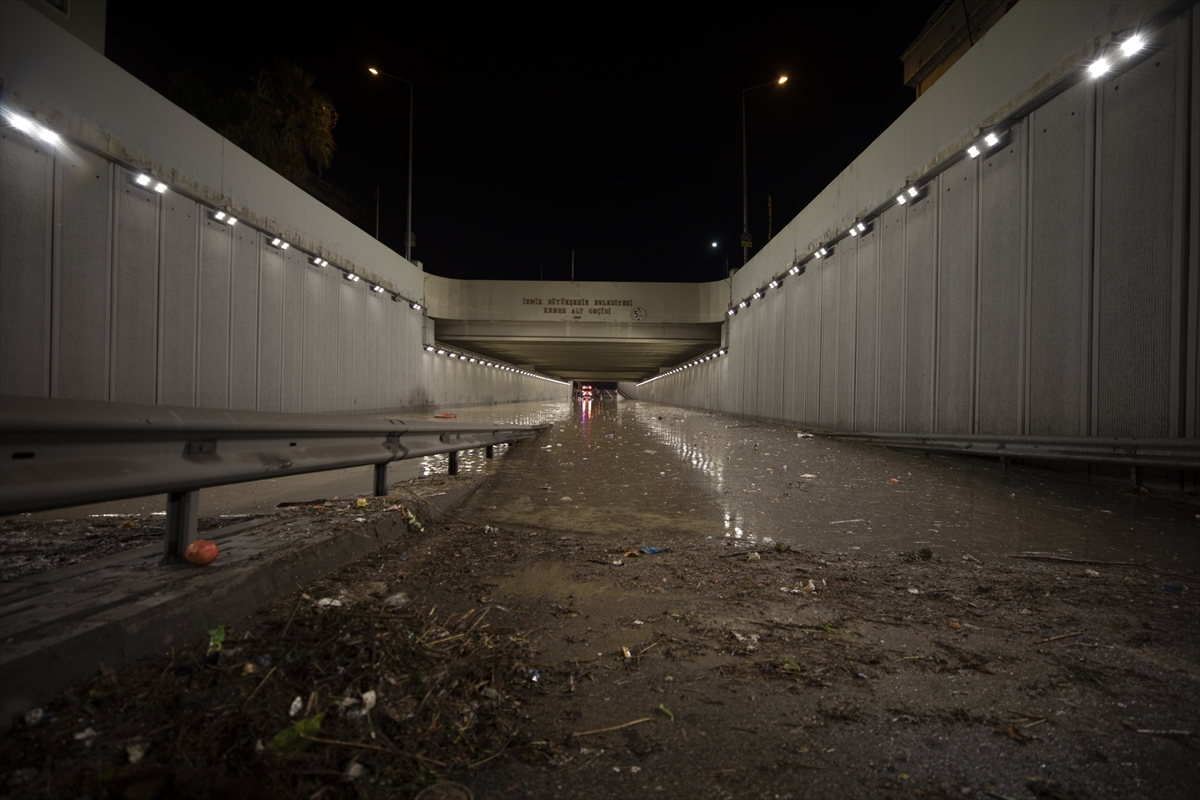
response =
{"points": [[58, 627]]}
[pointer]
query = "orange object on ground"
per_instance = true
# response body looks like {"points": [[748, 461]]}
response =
{"points": [[201, 552], [445, 416]]}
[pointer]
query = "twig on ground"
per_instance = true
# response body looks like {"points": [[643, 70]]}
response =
{"points": [[260, 685], [615, 727], [1060, 636]]}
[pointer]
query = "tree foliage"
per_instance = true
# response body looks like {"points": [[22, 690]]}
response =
{"points": [[283, 120]]}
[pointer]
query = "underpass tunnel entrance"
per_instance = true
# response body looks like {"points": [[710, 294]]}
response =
{"points": [[594, 390]]}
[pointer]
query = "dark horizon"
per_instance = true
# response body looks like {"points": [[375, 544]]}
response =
{"points": [[620, 141]]}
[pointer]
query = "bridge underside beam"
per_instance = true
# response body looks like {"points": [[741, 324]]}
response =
{"points": [[587, 352]]}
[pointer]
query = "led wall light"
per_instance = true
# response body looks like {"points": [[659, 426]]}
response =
{"points": [[1132, 45], [1099, 67], [377, 289], [774, 284], [415, 306], [142, 180], [428, 348], [731, 312], [350, 276], [31, 128]]}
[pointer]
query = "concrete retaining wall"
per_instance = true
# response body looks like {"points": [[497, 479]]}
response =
{"points": [[112, 291], [1047, 288]]}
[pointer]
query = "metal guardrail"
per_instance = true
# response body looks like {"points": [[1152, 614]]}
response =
{"points": [[1182, 454], [56, 453]]}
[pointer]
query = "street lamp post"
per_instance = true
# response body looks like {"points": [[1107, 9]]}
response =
{"points": [[412, 90], [745, 194]]}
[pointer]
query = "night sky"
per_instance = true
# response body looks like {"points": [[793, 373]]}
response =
{"points": [[617, 135]]}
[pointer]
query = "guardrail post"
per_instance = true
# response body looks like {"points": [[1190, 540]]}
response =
{"points": [[381, 481], [491, 451], [454, 462], [183, 512]]}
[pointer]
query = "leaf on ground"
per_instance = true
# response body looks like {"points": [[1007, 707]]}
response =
{"points": [[291, 739]]}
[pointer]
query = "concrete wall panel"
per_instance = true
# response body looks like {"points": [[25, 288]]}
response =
{"points": [[216, 257], [1136, 159], [1060, 237], [26, 175], [866, 336], [919, 311], [955, 335], [1001, 289], [295, 275], [847, 266], [892, 248], [179, 274], [135, 292], [82, 282], [270, 328], [829, 276], [243, 319]]}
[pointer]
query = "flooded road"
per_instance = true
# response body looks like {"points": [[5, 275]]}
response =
{"points": [[643, 474], [640, 474]]}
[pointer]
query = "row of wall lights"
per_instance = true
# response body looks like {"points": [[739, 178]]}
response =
{"points": [[709, 356], [470, 359], [38, 131]]}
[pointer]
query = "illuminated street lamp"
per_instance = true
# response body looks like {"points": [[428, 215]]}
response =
{"points": [[412, 89], [745, 195]]}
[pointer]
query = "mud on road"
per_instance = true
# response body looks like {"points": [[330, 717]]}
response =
{"points": [[536, 663]]}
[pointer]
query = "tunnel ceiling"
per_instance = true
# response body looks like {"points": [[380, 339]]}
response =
{"points": [[588, 359]]}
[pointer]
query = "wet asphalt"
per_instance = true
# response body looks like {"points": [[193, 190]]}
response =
{"points": [[646, 475]]}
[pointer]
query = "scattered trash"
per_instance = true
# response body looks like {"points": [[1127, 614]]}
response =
{"points": [[33, 716], [753, 557], [625, 651], [445, 415], [955, 625], [1091, 573], [292, 738], [969, 557], [297, 704], [325, 602], [1173, 589], [368, 700], [534, 675], [808, 475], [804, 436], [216, 638], [912, 590], [609, 435], [663, 708], [410, 518], [201, 552], [353, 771], [565, 499], [360, 519], [750, 640], [86, 736], [489, 693], [136, 751], [398, 600], [893, 480], [846, 521], [652, 551], [362, 502]]}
